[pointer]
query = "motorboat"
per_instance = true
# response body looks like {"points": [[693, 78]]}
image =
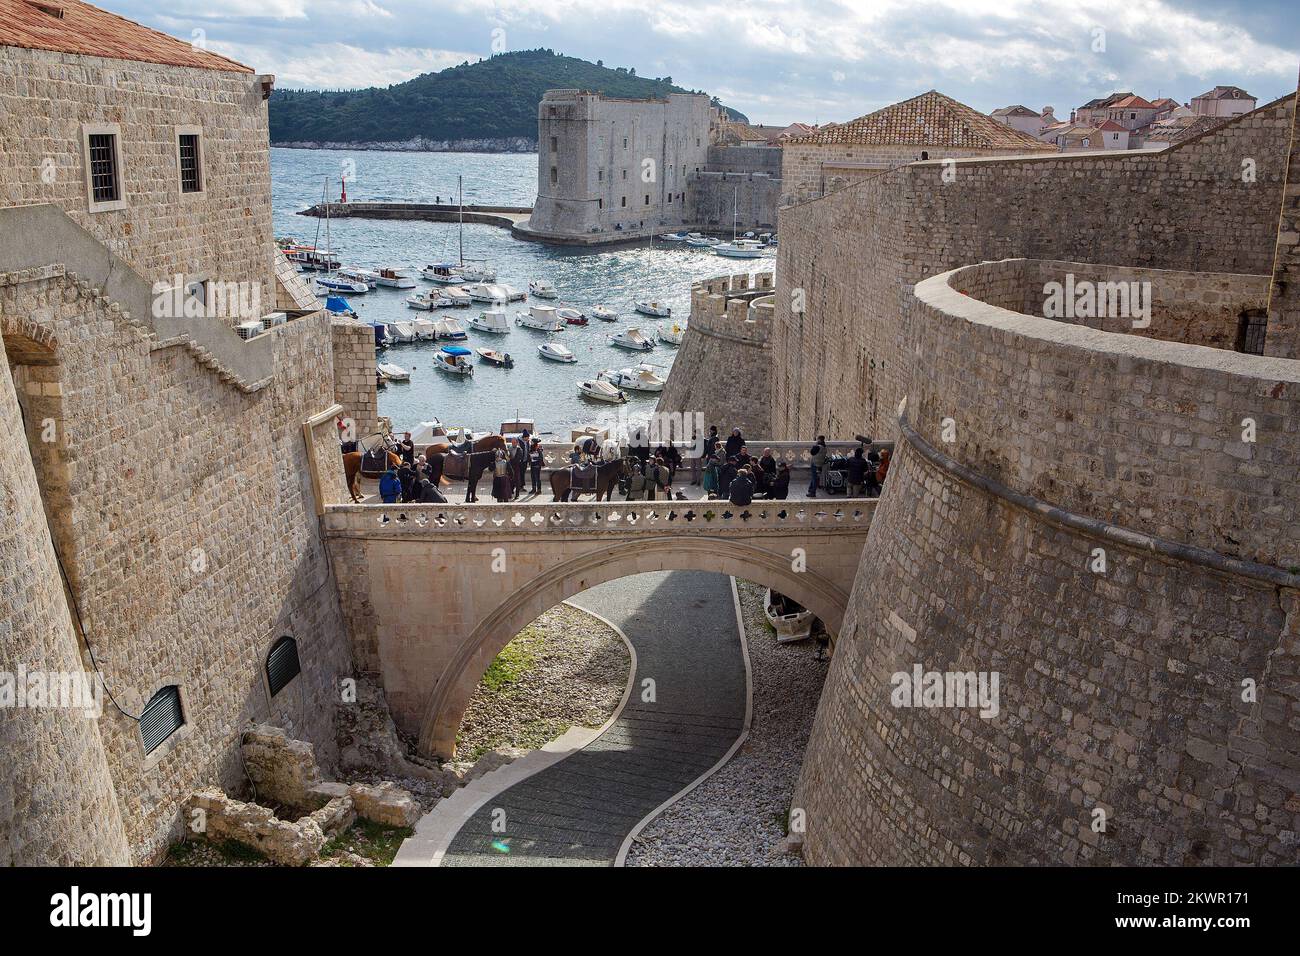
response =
{"points": [[543, 289], [337, 305], [381, 335], [401, 332], [356, 274], [643, 378], [542, 318], [394, 373], [337, 283], [426, 330], [671, 333], [631, 339], [393, 279], [654, 307], [571, 316], [454, 359], [457, 296], [494, 292], [428, 433], [425, 301], [601, 391], [674, 237], [740, 249], [493, 357], [604, 313], [514, 430], [556, 352], [449, 330], [493, 320], [702, 242], [444, 273], [791, 621], [477, 270], [310, 259]]}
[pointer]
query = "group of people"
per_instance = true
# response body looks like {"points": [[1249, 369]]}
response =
{"points": [[728, 471], [514, 465], [413, 481]]}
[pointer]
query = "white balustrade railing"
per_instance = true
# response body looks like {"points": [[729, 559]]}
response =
{"points": [[793, 453], [623, 517]]}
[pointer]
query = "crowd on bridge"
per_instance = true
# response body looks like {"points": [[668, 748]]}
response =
{"points": [[724, 468]]}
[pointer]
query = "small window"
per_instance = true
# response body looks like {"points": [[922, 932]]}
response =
{"points": [[555, 175], [191, 172], [625, 174], [162, 717], [105, 177], [600, 204], [647, 199], [623, 202], [625, 142], [282, 664], [600, 175], [555, 143]]}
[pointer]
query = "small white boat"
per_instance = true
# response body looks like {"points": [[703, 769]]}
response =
{"points": [[336, 283], [444, 273], [428, 433], [477, 271], [424, 301], [701, 242], [571, 316], [674, 237], [541, 318], [740, 249], [643, 378], [604, 313], [792, 622], [393, 373], [493, 292], [355, 274], [493, 357], [654, 307], [454, 360], [449, 330], [493, 320], [631, 339], [672, 333], [601, 391], [457, 296], [426, 330], [393, 279], [556, 352], [543, 289], [401, 331]]}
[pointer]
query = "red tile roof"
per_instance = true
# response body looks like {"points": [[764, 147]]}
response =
{"points": [[1110, 126], [930, 119], [1133, 103], [70, 26]]}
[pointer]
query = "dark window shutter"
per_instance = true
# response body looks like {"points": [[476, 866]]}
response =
{"points": [[162, 717], [282, 664]]}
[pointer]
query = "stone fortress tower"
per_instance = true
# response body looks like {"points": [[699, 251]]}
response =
{"points": [[612, 169]]}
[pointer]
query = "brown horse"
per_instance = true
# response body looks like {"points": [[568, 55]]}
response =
{"points": [[608, 474], [486, 443], [352, 470]]}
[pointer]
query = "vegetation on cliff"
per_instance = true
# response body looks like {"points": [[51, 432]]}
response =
{"points": [[494, 98]]}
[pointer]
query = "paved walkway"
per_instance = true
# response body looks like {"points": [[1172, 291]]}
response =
{"points": [[579, 811]]}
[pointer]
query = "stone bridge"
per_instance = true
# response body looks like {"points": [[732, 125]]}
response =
{"points": [[432, 593]]}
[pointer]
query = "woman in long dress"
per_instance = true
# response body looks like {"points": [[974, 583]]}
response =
{"points": [[502, 485]]}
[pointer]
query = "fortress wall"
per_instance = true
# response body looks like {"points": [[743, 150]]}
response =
{"points": [[223, 232], [354, 375], [839, 366], [724, 363], [1121, 688], [713, 199], [1284, 304], [57, 803], [194, 542]]}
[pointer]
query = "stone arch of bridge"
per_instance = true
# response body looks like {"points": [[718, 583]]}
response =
{"points": [[447, 702]]}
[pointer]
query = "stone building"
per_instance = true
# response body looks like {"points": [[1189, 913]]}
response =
{"points": [[615, 169], [160, 529], [929, 126]]}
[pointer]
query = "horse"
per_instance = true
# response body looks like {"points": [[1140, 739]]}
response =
{"points": [[473, 466], [352, 470], [608, 474], [486, 443]]}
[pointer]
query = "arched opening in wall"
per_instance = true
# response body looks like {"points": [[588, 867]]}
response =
{"points": [[649, 685]]}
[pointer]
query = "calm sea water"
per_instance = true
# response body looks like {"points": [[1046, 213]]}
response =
{"points": [[536, 387]]}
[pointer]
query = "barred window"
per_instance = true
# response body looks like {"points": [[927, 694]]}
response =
{"points": [[282, 664], [162, 717], [191, 178], [105, 183]]}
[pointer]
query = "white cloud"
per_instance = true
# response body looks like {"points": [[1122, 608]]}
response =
{"points": [[341, 66]]}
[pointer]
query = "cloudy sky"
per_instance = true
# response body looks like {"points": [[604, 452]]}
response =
{"points": [[777, 60]]}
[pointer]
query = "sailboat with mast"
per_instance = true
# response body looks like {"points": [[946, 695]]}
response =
{"points": [[738, 248], [463, 270], [330, 280]]}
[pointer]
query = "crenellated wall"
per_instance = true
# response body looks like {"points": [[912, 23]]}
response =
{"points": [[723, 366], [1150, 681]]}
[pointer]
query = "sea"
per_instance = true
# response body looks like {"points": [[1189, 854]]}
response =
{"points": [[535, 388]]}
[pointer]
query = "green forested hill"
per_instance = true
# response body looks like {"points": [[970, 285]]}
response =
{"points": [[494, 98]]}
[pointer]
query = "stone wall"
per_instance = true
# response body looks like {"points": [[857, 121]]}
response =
{"points": [[1284, 303], [714, 198], [354, 374], [852, 257], [724, 364], [1123, 685]]}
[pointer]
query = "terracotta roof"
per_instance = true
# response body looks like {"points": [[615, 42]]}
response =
{"points": [[1175, 131], [1110, 126], [930, 119], [70, 26], [1226, 93], [1104, 101], [1016, 110], [1133, 103]]}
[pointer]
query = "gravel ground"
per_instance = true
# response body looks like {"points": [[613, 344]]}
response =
{"points": [[737, 816], [565, 669]]}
